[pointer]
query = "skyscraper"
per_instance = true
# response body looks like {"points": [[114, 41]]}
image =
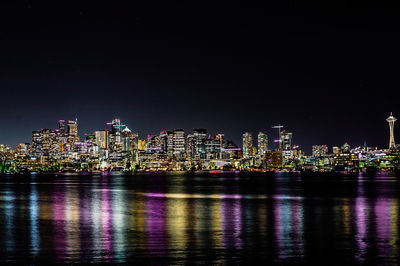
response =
{"points": [[262, 142], [221, 138], [179, 142], [72, 133], [200, 135], [286, 140], [391, 119], [102, 138], [286, 145], [247, 144]]}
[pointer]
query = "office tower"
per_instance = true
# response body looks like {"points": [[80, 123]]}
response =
{"points": [[164, 141], [154, 143], [179, 142], [200, 135], [213, 148], [36, 143], [115, 143], [41, 142], [247, 144], [129, 141], [319, 150], [221, 138], [72, 133], [191, 146], [262, 142], [286, 140], [170, 143], [102, 138], [391, 119]]}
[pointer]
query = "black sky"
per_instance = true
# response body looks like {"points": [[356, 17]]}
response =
{"points": [[328, 75]]}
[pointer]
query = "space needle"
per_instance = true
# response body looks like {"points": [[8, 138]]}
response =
{"points": [[391, 119]]}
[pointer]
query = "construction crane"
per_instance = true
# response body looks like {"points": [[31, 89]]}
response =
{"points": [[279, 133]]}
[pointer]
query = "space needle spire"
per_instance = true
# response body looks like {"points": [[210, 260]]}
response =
{"points": [[391, 119]]}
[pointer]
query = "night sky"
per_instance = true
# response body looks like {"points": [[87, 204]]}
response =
{"points": [[328, 75]]}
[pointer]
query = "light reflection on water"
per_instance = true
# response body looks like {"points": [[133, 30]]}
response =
{"points": [[178, 219]]}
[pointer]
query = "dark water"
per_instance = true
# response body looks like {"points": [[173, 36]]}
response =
{"points": [[216, 220]]}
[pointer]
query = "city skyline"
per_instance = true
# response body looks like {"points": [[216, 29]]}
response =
{"points": [[236, 138], [223, 134], [231, 69]]}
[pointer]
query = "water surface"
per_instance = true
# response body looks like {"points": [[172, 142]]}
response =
{"points": [[226, 219]]}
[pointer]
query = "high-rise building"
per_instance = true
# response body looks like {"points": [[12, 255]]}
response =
{"points": [[191, 146], [262, 142], [115, 135], [164, 140], [221, 138], [179, 142], [200, 135], [286, 140], [72, 133], [319, 150], [102, 138], [391, 119], [247, 145], [129, 141]]}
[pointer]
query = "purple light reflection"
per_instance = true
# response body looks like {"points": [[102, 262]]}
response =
{"points": [[155, 226], [59, 222], [106, 224]]}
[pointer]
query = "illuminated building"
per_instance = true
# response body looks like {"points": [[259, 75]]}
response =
{"points": [[319, 150], [179, 142], [196, 144], [262, 142], [61, 125], [391, 119], [231, 151], [166, 142], [345, 148], [115, 135], [335, 150], [72, 132], [81, 147], [200, 136], [154, 143], [129, 141], [286, 140], [273, 159], [221, 138], [191, 146], [247, 145], [22, 149], [141, 144], [286, 145], [41, 142], [212, 148], [102, 138]]}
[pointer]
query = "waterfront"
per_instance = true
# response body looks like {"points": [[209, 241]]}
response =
{"points": [[221, 219]]}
